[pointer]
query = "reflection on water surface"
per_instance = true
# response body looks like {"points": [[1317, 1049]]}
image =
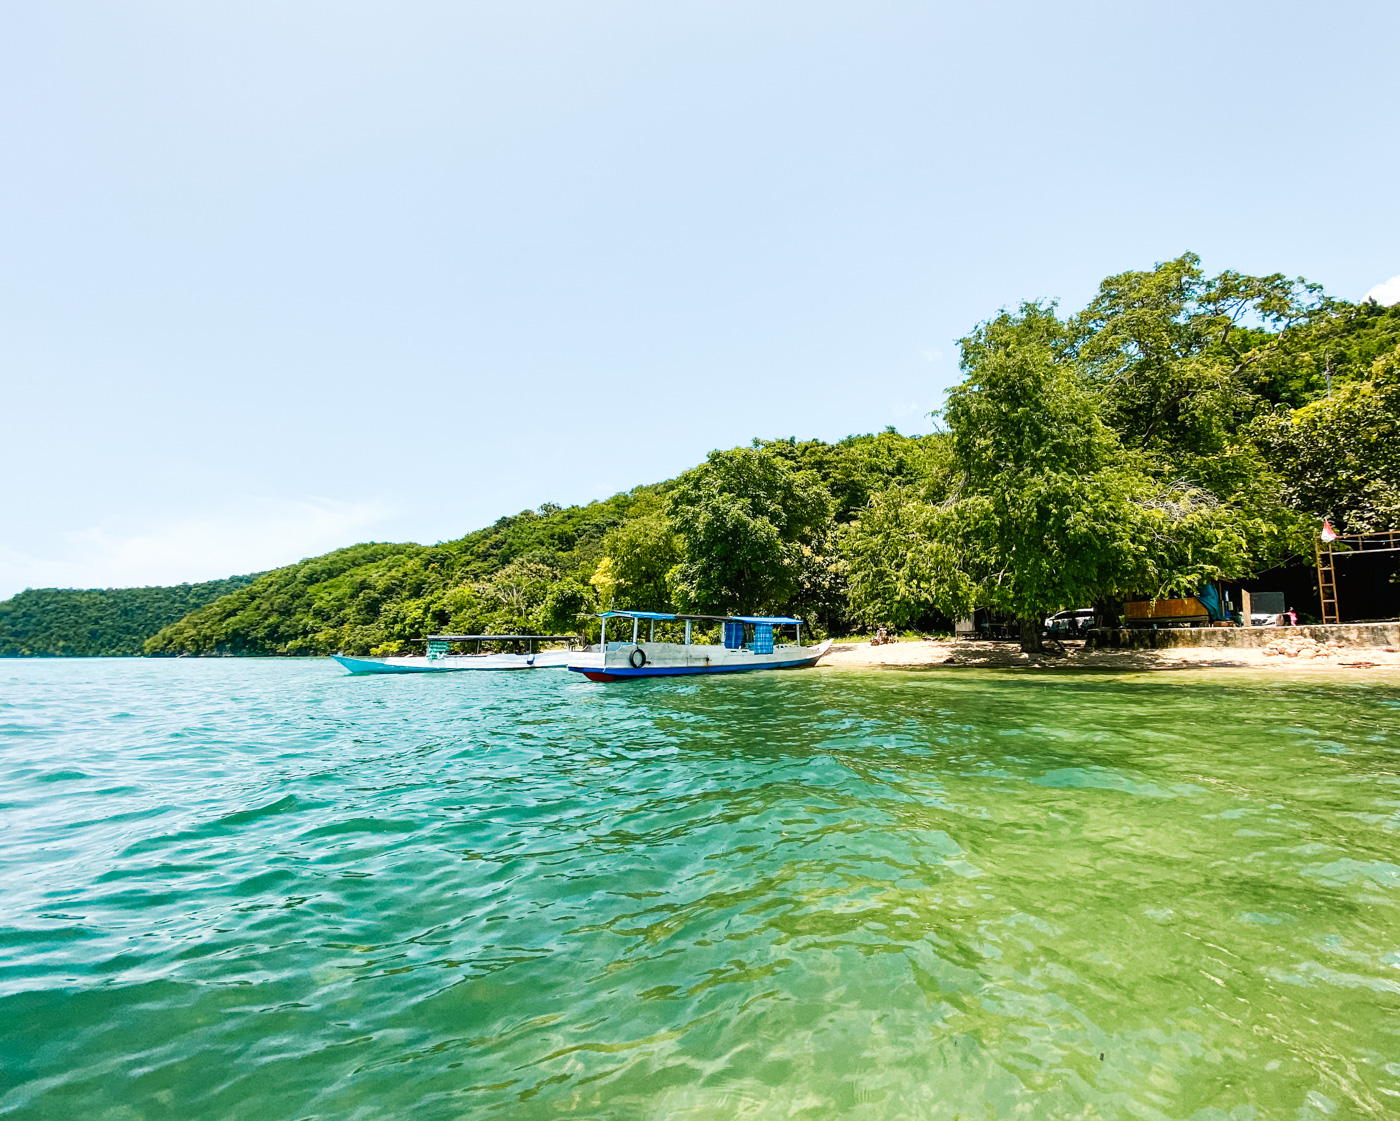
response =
{"points": [[260, 889]]}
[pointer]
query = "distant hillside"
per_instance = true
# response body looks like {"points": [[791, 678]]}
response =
{"points": [[545, 570], [99, 622], [364, 596]]}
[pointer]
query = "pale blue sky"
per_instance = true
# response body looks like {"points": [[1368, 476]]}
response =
{"points": [[277, 277]]}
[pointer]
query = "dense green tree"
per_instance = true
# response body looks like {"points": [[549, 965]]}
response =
{"points": [[1047, 506], [567, 608], [897, 566], [743, 518], [1172, 354], [1335, 344], [512, 597], [640, 554], [856, 469], [1043, 512], [1339, 456]]}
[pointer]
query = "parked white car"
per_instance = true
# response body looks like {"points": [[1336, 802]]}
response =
{"points": [[1070, 622]]}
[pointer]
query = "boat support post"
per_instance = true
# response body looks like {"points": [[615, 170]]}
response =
{"points": [[687, 632], [636, 623]]}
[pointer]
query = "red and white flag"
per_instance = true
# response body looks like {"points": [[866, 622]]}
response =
{"points": [[1328, 533]]}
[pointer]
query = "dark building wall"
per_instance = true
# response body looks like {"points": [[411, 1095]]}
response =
{"points": [[1367, 586]]}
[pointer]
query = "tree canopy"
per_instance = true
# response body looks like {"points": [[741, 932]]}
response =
{"points": [[746, 520], [1181, 428], [1339, 456], [1046, 507]]}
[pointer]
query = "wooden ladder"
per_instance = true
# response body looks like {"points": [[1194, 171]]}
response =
{"points": [[1326, 582]]}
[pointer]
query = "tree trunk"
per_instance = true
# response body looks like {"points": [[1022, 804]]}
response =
{"points": [[1030, 636], [1108, 612]]}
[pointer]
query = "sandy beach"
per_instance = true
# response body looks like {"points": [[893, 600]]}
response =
{"points": [[1287, 654]]}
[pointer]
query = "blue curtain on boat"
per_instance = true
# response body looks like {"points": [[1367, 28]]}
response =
{"points": [[762, 638], [733, 636]]}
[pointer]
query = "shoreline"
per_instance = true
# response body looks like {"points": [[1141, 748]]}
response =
{"points": [[950, 653]]}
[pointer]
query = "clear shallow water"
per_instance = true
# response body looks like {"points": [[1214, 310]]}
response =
{"points": [[262, 889]]}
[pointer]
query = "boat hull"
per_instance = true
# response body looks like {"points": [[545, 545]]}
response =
{"points": [[671, 660], [544, 659]]}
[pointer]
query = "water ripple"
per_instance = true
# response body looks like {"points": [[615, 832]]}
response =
{"points": [[263, 889]]}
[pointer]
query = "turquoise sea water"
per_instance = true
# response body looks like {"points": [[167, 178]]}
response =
{"points": [[263, 889]]}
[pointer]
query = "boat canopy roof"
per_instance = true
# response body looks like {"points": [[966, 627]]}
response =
{"points": [[501, 637], [774, 620]]}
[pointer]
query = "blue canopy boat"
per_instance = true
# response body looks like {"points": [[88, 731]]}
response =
{"points": [[748, 642]]}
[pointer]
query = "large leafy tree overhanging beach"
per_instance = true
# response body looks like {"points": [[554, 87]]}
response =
{"points": [[1181, 427]]}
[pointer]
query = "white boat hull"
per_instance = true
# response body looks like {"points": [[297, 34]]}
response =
{"points": [[621, 662], [447, 663]]}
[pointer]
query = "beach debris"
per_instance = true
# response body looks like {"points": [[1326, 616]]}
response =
{"points": [[1302, 647]]}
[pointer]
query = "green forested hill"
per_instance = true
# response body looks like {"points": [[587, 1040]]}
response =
{"points": [[539, 570], [1180, 428], [99, 621]]}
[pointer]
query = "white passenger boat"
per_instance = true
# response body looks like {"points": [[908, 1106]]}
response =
{"points": [[440, 659], [748, 642]]}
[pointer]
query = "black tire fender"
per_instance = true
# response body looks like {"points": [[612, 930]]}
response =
{"points": [[638, 658]]}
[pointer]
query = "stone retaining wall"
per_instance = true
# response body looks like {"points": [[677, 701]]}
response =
{"points": [[1346, 634]]}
